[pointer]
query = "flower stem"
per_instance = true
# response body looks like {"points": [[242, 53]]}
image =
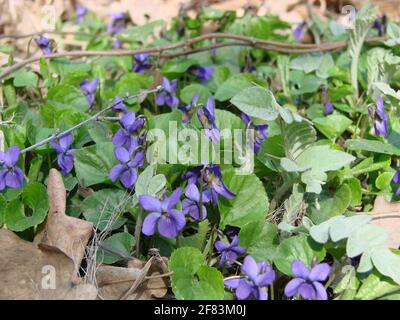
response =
{"points": [[138, 230], [201, 196], [330, 280], [92, 118], [272, 292]]}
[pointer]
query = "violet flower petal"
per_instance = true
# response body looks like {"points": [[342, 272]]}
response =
{"points": [[299, 269], [320, 272], [320, 291], [150, 222], [293, 286], [250, 267], [150, 203], [122, 154], [116, 172], [307, 291], [192, 192], [243, 290]]}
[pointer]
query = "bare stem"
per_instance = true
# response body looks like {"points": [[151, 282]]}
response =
{"points": [[33, 34], [138, 230], [95, 117]]}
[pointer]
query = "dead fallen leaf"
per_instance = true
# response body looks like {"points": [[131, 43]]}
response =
{"points": [[83, 291], [143, 11], [114, 282], [389, 7], [30, 273], [66, 234], [387, 215]]}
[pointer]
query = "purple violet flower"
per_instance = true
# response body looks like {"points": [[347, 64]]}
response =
{"points": [[126, 171], [192, 175], [168, 96], [380, 25], [189, 109], [117, 44], [129, 126], [212, 177], [307, 282], [229, 251], [299, 31], [255, 281], [249, 65], [141, 62], [203, 73], [206, 117], [119, 105], [231, 231], [396, 180], [45, 45], [65, 155], [328, 107], [326, 101], [259, 132], [118, 22], [380, 117], [168, 220], [89, 90], [10, 175], [80, 12], [192, 203]]}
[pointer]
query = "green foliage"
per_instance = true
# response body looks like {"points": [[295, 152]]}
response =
{"points": [[93, 163], [298, 197], [192, 279], [362, 239], [14, 213], [363, 22], [297, 248], [257, 102], [106, 207], [244, 208], [122, 243], [260, 240]]}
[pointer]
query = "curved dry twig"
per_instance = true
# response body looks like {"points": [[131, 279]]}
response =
{"points": [[188, 49]]}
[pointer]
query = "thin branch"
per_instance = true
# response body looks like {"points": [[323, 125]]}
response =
{"points": [[34, 34], [108, 119], [92, 118], [158, 51]]}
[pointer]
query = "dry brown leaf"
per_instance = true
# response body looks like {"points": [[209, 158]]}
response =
{"points": [[387, 215], [30, 273], [67, 234], [83, 291], [114, 282], [389, 7], [154, 9]]}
